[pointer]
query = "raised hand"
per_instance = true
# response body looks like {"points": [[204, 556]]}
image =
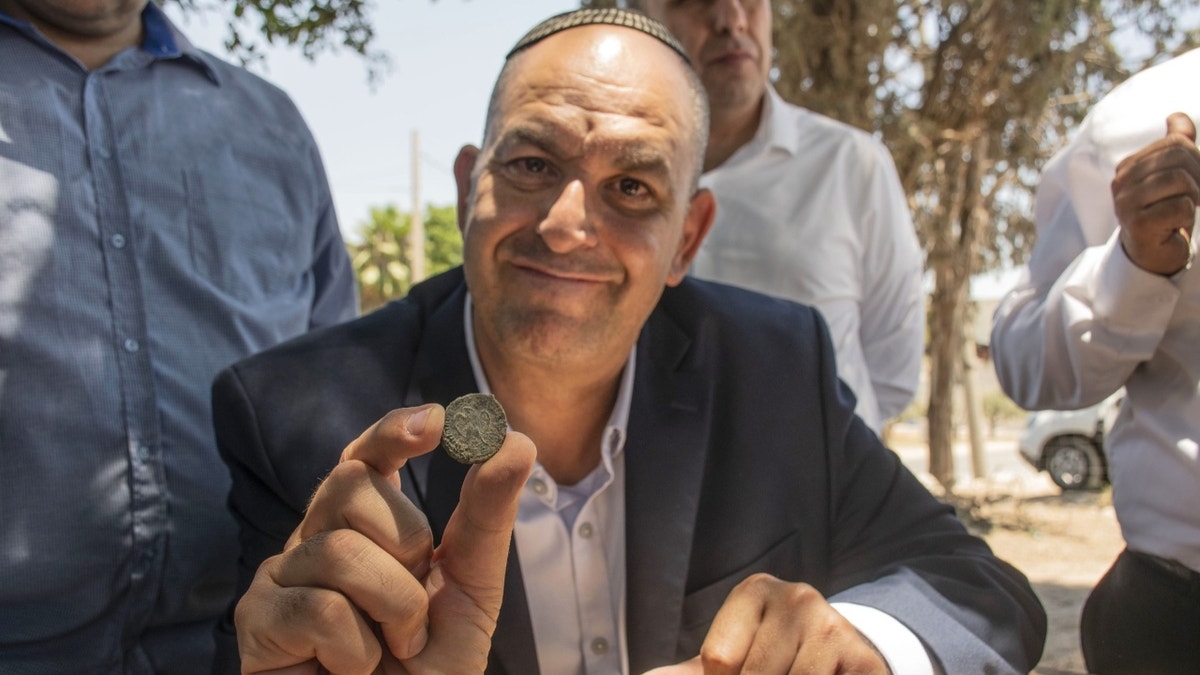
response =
{"points": [[1155, 192], [773, 627], [359, 586]]}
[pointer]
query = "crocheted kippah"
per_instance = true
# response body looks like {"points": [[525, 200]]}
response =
{"points": [[590, 17]]}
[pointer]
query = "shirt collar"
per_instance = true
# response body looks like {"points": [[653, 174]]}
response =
{"points": [[618, 421], [781, 132], [162, 40], [773, 133]]}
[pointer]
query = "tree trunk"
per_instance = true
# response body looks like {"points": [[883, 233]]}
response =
{"points": [[972, 406], [953, 261], [944, 350]]}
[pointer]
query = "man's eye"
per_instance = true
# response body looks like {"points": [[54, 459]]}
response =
{"points": [[532, 165], [632, 188]]}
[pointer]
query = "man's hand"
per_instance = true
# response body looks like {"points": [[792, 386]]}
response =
{"points": [[360, 571], [1155, 192], [773, 627]]}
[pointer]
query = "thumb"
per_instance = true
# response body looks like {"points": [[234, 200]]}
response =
{"points": [[466, 579], [1180, 123], [476, 539]]}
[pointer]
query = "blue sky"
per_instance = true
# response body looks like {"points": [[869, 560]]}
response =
{"points": [[445, 56]]}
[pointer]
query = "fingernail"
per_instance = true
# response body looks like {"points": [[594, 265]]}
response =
{"points": [[418, 642], [416, 423]]}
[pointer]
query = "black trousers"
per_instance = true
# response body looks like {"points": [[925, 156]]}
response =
{"points": [[1143, 617]]}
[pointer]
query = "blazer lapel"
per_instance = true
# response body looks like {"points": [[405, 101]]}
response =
{"points": [[441, 373], [664, 460]]}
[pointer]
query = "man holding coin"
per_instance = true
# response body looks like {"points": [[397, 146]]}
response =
{"points": [[701, 496]]}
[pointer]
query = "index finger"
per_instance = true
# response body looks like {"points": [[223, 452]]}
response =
{"points": [[399, 436]]}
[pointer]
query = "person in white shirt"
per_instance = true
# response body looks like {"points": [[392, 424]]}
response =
{"points": [[702, 495], [1111, 299], [808, 208]]}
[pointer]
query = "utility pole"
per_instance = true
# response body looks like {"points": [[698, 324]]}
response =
{"points": [[416, 230]]}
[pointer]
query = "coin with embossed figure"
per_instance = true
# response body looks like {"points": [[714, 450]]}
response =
{"points": [[475, 428]]}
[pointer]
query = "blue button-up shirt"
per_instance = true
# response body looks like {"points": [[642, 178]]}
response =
{"points": [[160, 217]]}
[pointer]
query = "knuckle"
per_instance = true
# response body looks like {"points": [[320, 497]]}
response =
{"points": [[321, 609], [802, 594], [393, 427], [348, 473], [718, 659], [830, 628], [759, 583], [346, 550]]}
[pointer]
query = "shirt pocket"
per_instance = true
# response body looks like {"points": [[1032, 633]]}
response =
{"points": [[240, 236]]}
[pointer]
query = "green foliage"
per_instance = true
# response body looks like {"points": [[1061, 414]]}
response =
{"points": [[313, 25], [382, 256]]}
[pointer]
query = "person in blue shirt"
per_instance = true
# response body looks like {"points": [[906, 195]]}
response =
{"points": [[162, 215]]}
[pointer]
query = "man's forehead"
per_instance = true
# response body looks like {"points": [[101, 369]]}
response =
{"points": [[632, 140], [600, 71]]}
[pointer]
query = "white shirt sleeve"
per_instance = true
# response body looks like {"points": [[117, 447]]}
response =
{"points": [[1083, 316], [893, 309], [900, 647]]}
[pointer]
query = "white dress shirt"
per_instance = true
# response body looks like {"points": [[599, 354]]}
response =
{"points": [[577, 600], [812, 210], [1084, 320]]}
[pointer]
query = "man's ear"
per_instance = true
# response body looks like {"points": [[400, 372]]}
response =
{"points": [[464, 166], [696, 224]]}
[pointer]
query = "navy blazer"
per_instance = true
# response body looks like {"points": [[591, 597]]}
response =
{"points": [[743, 455]]}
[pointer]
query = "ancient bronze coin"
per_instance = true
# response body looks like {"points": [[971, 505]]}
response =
{"points": [[475, 428]]}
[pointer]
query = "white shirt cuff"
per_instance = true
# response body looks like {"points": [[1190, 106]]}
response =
{"points": [[904, 653]]}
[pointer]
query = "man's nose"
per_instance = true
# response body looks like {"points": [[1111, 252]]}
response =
{"points": [[566, 227], [729, 16]]}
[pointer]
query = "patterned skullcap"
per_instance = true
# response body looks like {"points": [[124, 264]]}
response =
{"points": [[590, 17]]}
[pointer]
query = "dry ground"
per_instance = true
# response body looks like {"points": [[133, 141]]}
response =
{"points": [[1064, 542]]}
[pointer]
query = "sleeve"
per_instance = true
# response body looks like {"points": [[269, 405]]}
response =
{"points": [[1082, 316], [893, 311], [265, 516], [897, 549], [335, 297], [904, 653]]}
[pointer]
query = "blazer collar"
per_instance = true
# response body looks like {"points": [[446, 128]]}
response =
{"points": [[664, 466]]}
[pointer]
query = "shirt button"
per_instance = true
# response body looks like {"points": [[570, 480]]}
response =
{"points": [[143, 452], [586, 530], [118, 241], [132, 346], [539, 486], [103, 152], [599, 646]]}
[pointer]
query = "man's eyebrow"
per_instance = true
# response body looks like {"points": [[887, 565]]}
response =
{"points": [[632, 155], [641, 158], [540, 137]]}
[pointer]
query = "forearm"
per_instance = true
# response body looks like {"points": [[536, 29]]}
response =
{"points": [[1078, 341]]}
